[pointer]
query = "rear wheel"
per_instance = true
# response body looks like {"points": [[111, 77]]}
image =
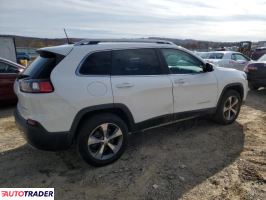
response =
{"points": [[102, 139], [229, 107]]}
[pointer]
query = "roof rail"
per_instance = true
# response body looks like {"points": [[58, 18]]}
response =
{"points": [[97, 41]]}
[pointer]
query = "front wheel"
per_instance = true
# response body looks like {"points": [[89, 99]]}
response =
{"points": [[228, 108], [102, 139]]}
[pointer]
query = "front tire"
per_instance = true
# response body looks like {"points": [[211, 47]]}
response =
{"points": [[102, 139], [228, 108]]}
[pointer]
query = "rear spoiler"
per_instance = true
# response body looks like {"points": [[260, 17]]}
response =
{"points": [[62, 49]]}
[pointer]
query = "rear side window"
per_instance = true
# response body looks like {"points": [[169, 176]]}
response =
{"points": [[3, 68], [135, 62], [7, 69], [98, 63], [42, 66], [216, 56]]}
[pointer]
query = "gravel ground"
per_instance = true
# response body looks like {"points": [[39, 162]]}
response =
{"points": [[197, 159]]}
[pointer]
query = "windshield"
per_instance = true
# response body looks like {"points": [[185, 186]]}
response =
{"points": [[263, 58]]}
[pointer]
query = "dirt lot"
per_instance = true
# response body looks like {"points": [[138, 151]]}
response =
{"points": [[193, 160]]}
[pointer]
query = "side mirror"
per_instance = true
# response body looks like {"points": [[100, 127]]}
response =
{"points": [[208, 67]]}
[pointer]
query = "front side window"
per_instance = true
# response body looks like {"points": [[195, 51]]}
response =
{"points": [[98, 63], [135, 62], [239, 57], [180, 62]]}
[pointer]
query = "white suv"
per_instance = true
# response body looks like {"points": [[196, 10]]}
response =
{"points": [[94, 93]]}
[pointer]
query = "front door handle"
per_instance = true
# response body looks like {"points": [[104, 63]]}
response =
{"points": [[124, 85], [180, 81]]}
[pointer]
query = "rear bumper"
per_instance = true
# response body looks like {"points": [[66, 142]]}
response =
{"points": [[257, 81], [261, 83], [39, 138]]}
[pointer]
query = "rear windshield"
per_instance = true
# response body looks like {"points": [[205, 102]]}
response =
{"points": [[42, 66]]}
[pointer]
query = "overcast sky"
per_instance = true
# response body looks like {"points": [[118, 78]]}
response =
{"points": [[224, 20]]}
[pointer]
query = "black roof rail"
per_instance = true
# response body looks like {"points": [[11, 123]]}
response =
{"points": [[97, 41]]}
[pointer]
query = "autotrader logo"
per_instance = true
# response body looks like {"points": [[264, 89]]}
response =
{"points": [[27, 193]]}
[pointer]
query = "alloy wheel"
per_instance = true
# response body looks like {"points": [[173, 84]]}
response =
{"points": [[231, 108], [105, 141]]}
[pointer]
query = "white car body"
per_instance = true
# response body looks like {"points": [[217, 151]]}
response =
{"points": [[51, 120], [151, 96]]}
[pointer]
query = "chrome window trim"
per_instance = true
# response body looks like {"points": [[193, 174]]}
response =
{"points": [[104, 50]]}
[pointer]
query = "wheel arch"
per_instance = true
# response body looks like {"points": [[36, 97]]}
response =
{"points": [[232, 86], [119, 109]]}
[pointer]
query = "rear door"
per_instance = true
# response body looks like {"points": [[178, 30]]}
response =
{"points": [[139, 83], [8, 74], [193, 89]]}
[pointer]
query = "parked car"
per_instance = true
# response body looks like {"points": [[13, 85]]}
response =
{"points": [[228, 59], [8, 73], [94, 93], [22, 56], [258, 52], [256, 73]]}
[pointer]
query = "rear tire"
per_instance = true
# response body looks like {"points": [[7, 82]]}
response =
{"points": [[102, 139], [228, 108]]}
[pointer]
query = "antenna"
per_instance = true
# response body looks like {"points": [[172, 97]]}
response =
{"points": [[68, 41]]}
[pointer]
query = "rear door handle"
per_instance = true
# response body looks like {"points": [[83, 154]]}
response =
{"points": [[124, 85], [180, 81]]}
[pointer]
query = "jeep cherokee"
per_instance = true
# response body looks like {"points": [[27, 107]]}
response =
{"points": [[95, 92]]}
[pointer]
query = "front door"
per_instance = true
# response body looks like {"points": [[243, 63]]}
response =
{"points": [[193, 89]]}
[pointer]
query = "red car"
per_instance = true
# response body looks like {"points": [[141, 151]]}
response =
{"points": [[8, 73]]}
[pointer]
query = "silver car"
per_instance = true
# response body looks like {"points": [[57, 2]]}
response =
{"points": [[230, 59]]}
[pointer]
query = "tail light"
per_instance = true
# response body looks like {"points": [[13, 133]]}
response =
{"points": [[36, 86], [250, 67]]}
